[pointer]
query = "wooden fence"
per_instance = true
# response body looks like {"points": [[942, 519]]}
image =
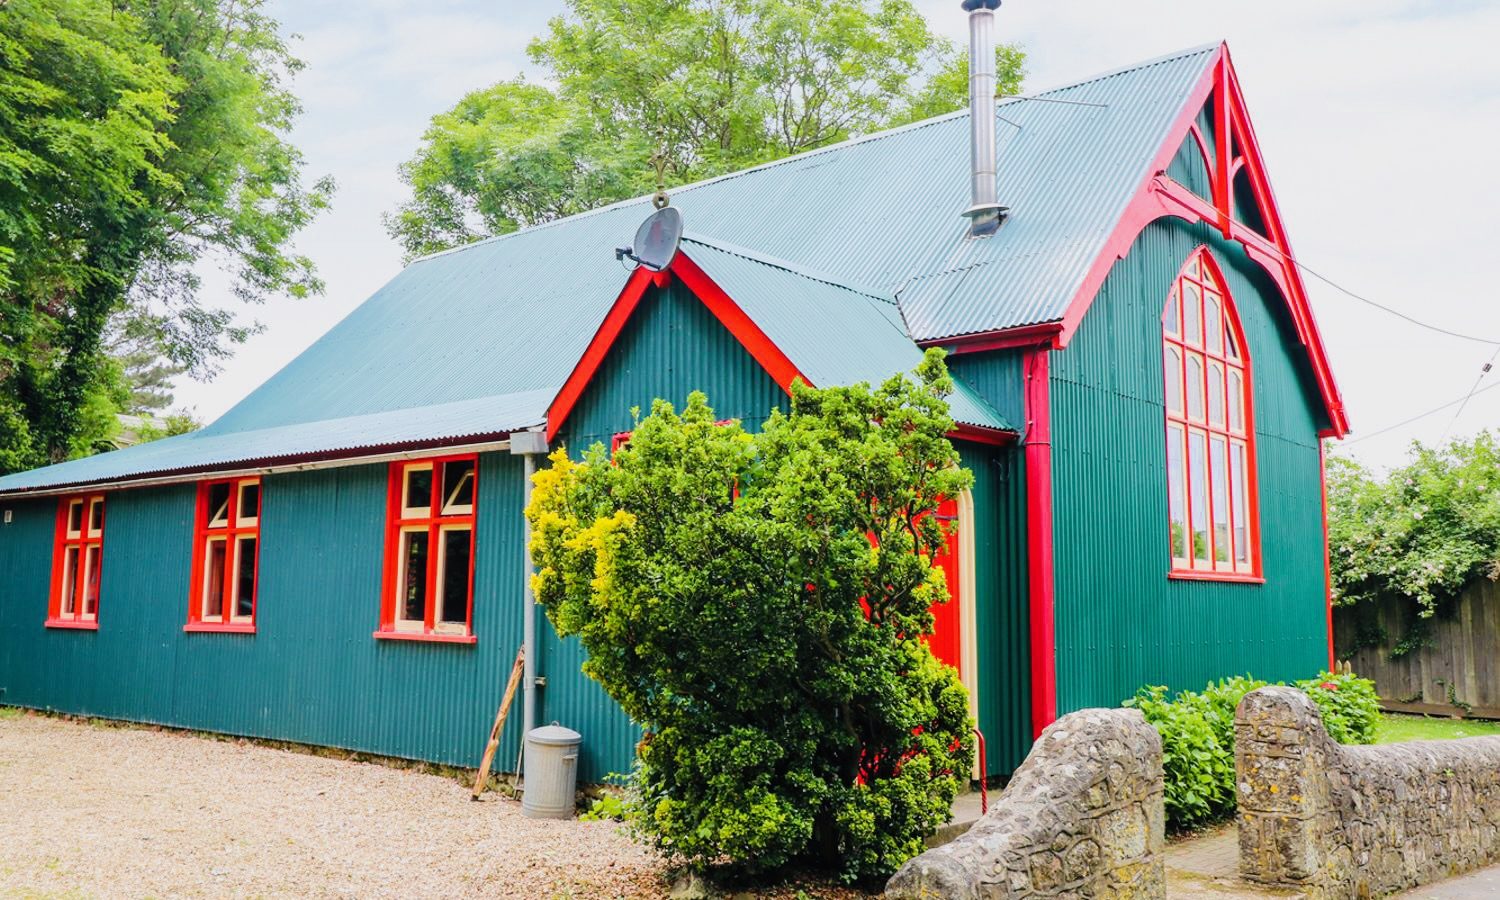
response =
{"points": [[1458, 661]]}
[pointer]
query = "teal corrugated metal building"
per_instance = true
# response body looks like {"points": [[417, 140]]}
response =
{"points": [[1142, 395]]}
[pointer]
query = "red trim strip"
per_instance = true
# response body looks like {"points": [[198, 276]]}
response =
{"points": [[1007, 339], [1327, 562], [74, 624], [1182, 575], [598, 348], [216, 627], [781, 369], [1039, 555], [428, 638], [980, 435]]}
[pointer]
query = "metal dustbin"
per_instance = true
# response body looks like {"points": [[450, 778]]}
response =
{"points": [[551, 771]]}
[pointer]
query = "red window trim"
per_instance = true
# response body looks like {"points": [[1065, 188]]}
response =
{"points": [[1211, 278], [85, 540], [231, 533], [396, 521]]}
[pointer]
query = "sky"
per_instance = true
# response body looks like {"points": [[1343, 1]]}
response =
{"points": [[1377, 119]]}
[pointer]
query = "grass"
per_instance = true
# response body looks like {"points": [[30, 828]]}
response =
{"points": [[1394, 728]]}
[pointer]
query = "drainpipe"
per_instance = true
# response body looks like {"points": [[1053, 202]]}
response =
{"points": [[528, 445], [984, 212]]}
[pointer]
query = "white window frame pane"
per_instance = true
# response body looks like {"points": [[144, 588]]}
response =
{"points": [[452, 509], [1192, 314], [1239, 467], [1218, 483], [439, 624], [417, 512], [1215, 392], [206, 588], [1213, 323], [1194, 381], [88, 520], [72, 559], [1172, 321], [93, 556], [82, 520], [232, 603], [1235, 395], [1199, 503], [219, 518], [399, 618], [1176, 438], [239, 504], [1172, 367]]}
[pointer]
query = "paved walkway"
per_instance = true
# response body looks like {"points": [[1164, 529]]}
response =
{"points": [[1208, 866]]}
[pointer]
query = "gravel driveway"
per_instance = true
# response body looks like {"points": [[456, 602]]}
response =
{"points": [[97, 810]]}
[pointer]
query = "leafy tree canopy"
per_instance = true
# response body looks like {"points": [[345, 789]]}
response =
{"points": [[1425, 530], [138, 139], [757, 603], [703, 86]]}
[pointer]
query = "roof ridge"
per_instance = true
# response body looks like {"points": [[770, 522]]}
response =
{"points": [[817, 151], [774, 262]]}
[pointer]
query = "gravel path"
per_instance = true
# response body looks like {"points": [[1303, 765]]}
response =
{"points": [[96, 810]]}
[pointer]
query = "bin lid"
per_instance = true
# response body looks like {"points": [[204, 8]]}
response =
{"points": [[554, 735]]}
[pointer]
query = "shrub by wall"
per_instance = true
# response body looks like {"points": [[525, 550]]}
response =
{"points": [[1197, 734]]}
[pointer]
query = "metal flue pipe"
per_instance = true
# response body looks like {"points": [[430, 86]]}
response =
{"points": [[985, 211]]}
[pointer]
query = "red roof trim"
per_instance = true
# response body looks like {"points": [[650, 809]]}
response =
{"points": [[750, 336], [1159, 196], [1025, 336]]}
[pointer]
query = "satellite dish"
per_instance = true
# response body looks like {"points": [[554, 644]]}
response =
{"points": [[656, 240]]}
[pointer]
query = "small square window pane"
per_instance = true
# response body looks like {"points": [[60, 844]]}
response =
{"points": [[69, 581], [411, 602], [248, 509], [244, 578], [417, 492], [75, 517], [213, 580], [218, 504], [91, 581], [458, 486], [96, 516], [454, 580]]}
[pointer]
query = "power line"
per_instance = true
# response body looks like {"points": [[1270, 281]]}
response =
{"points": [[1395, 312], [1420, 416], [1482, 372]]}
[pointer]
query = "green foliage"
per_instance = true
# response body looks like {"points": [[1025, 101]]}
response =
{"points": [[1424, 531], [1197, 736], [608, 808], [137, 139], [711, 86], [757, 602], [171, 425]]}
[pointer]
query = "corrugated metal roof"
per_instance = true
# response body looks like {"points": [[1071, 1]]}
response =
{"points": [[484, 417], [509, 316], [834, 334]]}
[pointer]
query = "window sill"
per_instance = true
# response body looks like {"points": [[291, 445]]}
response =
{"points": [[1233, 577], [220, 627], [430, 638], [74, 624]]}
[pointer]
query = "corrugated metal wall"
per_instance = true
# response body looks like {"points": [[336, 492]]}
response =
{"points": [[312, 673], [1120, 622], [1000, 613]]}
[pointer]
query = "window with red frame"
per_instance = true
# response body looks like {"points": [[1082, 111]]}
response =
{"points": [[429, 564], [1213, 528], [226, 553], [78, 558]]}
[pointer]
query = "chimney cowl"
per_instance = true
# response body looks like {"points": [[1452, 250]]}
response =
{"points": [[984, 212]]}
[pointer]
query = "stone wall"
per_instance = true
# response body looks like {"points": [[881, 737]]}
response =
{"points": [[1340, 821], [1083, 816]]}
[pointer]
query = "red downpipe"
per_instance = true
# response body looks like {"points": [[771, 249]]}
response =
{"points": [[984, 793], [1327, 562], [1038, 449]]}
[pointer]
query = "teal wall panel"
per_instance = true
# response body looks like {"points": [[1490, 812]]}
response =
{"points": [[1000, 611], [312, 672], [999, 377], [1121, 622]]}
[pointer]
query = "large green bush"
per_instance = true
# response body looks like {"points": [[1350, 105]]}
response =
{"points": [[757, 602], [1197, 736]]}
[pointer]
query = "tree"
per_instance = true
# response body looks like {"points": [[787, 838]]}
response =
{"points": [[138, 140], [1425, 531], [704, 86], [757, 602]]}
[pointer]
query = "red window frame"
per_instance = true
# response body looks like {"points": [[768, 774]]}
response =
{"points": [[1210, 430], [77, 563], [212, 574], [438, 516]]}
